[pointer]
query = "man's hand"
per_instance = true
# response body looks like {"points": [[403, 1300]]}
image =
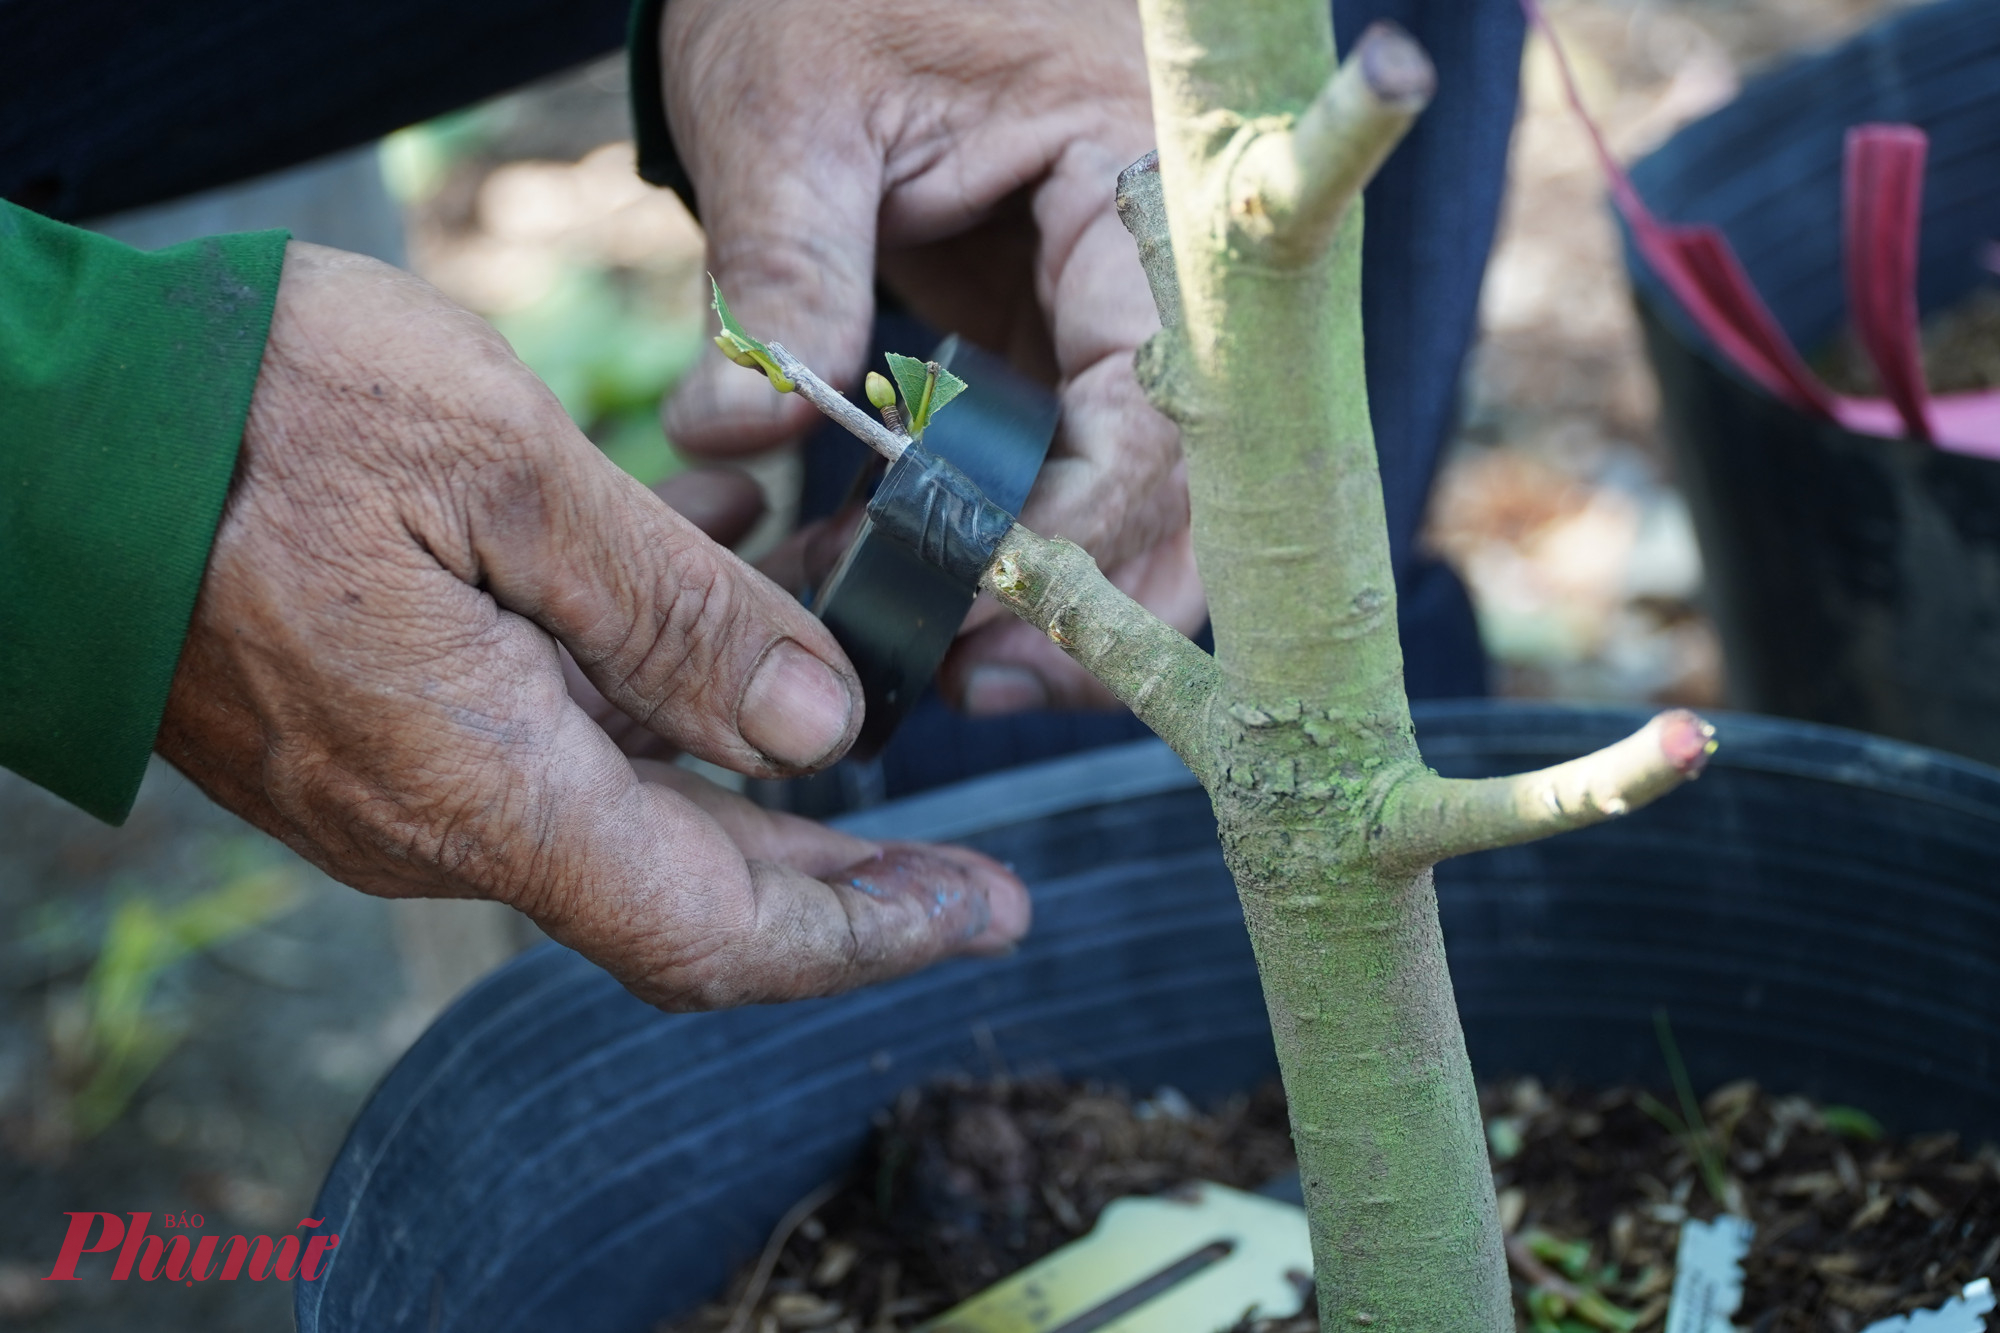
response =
{"points": [[373, 676], [972, 152]]}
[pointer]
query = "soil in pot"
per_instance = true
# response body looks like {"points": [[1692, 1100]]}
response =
{"points": [[965, 1182], [1852, 1224], [1961, 351]]}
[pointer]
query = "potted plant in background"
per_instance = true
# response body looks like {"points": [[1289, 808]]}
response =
{"points": [[1852, 557]]}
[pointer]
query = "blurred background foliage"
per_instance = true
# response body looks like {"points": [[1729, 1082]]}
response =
{"points": [[109, 1032], [584, 269]]}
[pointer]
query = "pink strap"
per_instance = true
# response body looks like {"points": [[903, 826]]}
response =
{"points": [[1884, 209], [1700, 269], [1884, 185]]}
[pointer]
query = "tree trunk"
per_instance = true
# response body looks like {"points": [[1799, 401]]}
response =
{"points": [[1248, 222], [1328, 817]]}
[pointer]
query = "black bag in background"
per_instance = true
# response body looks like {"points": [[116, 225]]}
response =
{"points": [[1855, 580]]}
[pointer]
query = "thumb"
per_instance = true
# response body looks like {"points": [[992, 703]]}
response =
{"points": [[792, 245]]}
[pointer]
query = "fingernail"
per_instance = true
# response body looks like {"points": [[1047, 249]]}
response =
{"points": [[1009, 915], [992, 690], [796, 710]]}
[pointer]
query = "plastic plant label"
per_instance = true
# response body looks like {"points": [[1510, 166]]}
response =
{"points": [[1708, 1275], [1196, 1260], [1963, 1313]]}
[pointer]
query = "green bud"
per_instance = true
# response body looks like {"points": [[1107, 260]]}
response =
{"points": [[880, 391], [736, 351]]}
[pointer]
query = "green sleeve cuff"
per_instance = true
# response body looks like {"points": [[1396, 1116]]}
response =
{"points": [[659, 164], [125, 378]]}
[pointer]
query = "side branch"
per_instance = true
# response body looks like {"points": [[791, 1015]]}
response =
{"points": [[1152, 667], [1430, 818], [834, 404], [1291, 189], [1142, 207]]}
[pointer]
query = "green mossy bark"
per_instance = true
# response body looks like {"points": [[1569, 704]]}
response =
{"points": [[1266, 381], [1299, 727], [1384, 1112]]}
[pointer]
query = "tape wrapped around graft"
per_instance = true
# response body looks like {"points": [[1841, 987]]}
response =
{"points": [[940, 513]]}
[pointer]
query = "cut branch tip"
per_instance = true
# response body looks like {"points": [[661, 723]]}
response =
{"points": [[1395, 67], [1687, 740], [1291, 187], [1130, 182], [1444, 817]]}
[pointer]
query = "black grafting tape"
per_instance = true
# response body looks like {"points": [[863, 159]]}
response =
{"points": [[897, 596], [941, 514]]}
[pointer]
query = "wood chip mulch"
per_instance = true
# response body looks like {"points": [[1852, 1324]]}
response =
{"points": [[1961, 351], [1851, 1226], [965, 1182]]}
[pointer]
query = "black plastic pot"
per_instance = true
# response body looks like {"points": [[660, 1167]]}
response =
{"points": [[1854, 580], [1821, 911]]}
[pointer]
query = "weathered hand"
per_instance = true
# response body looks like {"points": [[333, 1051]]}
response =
{"points": [[970, 151], [372, 673], [725, 504]]}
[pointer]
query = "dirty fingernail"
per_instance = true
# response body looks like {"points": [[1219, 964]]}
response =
{"points": [[1009, 912], [993, 690], [796, 710]]}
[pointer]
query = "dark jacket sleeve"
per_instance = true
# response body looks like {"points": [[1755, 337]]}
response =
{"points": [[113, 104], [659, 164], [125, 378]]}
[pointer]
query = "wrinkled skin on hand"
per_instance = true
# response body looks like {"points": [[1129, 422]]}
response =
{"points": [[969, 154], [372, 674]]}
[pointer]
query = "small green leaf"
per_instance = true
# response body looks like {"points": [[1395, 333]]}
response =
{"points": [[733, 348], [729, 325], [949, 386], [914, 378], [911, 378], [1597, 1312], [1546, 1309], [1571, 1256], [1851, 1122], [737, 344]]}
